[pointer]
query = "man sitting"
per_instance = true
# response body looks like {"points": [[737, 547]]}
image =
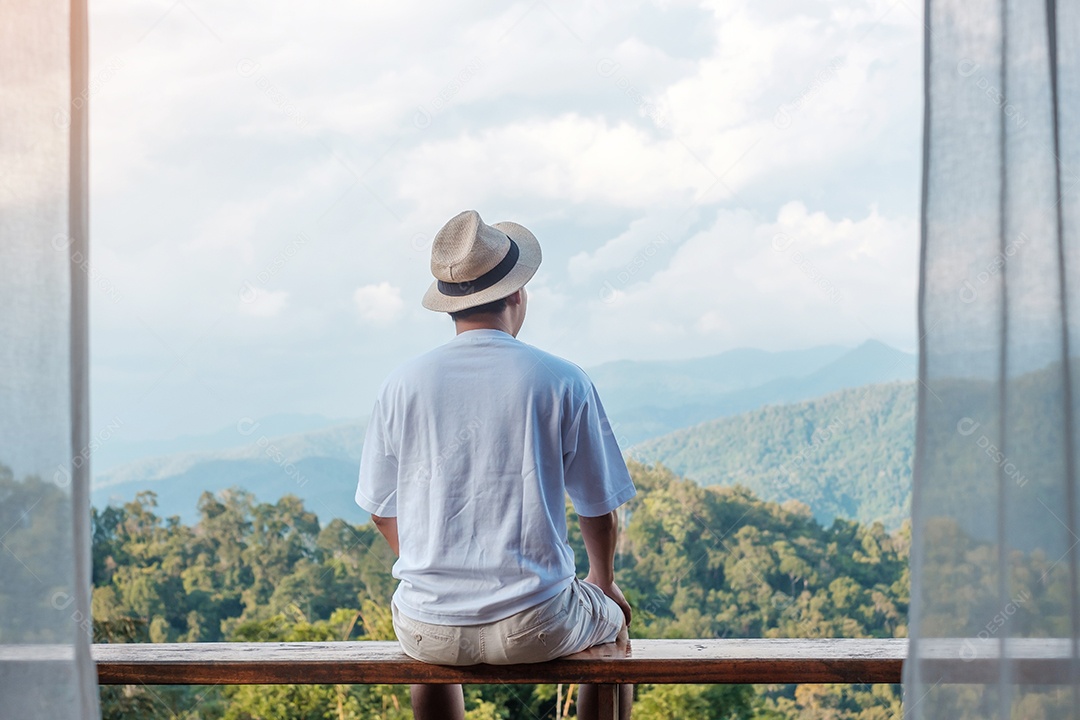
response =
{"points": [[469, 455]]}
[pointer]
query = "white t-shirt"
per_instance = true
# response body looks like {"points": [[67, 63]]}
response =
{"points": [[473, 446]]}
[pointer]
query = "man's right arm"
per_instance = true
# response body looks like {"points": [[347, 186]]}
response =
{"points": [[600, 535]]}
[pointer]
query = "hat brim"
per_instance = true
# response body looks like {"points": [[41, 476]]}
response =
{"points": [[529, 258]]}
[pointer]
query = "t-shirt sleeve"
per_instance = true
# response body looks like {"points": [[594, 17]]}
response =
{"points": [[596, 476], [376, 490]]}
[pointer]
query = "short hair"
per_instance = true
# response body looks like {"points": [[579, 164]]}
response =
{"points": [[494, 307]]}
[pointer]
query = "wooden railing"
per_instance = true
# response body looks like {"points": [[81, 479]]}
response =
{"points": [[783, 661], [773, 661], [639, 661]]}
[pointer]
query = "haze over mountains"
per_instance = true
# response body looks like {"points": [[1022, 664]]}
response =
{"points": [[317, 458], [319, 466], [114, 453], [648, 399]]}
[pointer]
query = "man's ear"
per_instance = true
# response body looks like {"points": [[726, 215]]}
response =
{"points": [[514, 299]]}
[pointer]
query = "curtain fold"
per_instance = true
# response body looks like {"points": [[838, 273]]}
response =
{"points": [[46, 669], [996, 513]]}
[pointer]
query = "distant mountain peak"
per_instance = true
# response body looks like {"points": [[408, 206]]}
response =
{"points": [[876, 345]]}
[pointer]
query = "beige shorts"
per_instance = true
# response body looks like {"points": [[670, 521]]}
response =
{"points": [[577, 618]]}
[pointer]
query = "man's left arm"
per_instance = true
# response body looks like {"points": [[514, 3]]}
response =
{"points": [[388, 527]]}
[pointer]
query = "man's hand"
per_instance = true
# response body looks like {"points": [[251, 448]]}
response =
{"points": [[600, 535], [612, 591]]}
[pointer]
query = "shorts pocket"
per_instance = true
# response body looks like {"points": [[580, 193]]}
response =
{"points": [[426, 642], [582, 595], [426, 634], [545, 631]]}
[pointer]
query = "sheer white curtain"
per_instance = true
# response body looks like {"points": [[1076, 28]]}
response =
{"points": [[995, 614], [45, 633]]}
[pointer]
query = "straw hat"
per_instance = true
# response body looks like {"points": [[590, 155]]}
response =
{"points": [[476, 263]]}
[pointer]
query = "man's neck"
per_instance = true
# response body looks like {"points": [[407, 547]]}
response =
{"points": [[491, 322]]}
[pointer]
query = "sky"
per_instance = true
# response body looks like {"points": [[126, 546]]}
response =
{"points": [[266, 179]]}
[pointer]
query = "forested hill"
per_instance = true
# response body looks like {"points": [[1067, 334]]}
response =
{"points": [[694, 562], [845, 455]]}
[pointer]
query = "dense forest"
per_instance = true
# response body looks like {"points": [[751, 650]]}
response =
{"points": [[695, 562]]}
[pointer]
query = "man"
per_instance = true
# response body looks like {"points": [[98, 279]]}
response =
{"points": [[470, 453]]}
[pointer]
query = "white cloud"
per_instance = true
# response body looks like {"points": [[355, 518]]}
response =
{"points": [[379, 304], [568, 159], [787, 90], [800, 280], [599, 126], [624, 256]]}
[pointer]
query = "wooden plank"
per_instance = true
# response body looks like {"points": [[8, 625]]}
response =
{"points": [[653, 661], [1031, 660]]}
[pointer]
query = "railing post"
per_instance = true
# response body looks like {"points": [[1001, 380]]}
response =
{"points": [[608, 701]]}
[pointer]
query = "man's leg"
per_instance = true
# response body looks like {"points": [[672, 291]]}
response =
{"points": [[437, 701], [588, 701]]}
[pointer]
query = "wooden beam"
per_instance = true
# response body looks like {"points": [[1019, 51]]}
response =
{"points": [[642, 661], [608, 702]]}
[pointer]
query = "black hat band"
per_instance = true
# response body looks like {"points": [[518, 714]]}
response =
{"points": [[492, 276]]}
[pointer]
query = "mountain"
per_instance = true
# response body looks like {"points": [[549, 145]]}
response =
{"points": [[626, 384], [320, 466], [271, 457], [646, 400], [847, 454]]}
